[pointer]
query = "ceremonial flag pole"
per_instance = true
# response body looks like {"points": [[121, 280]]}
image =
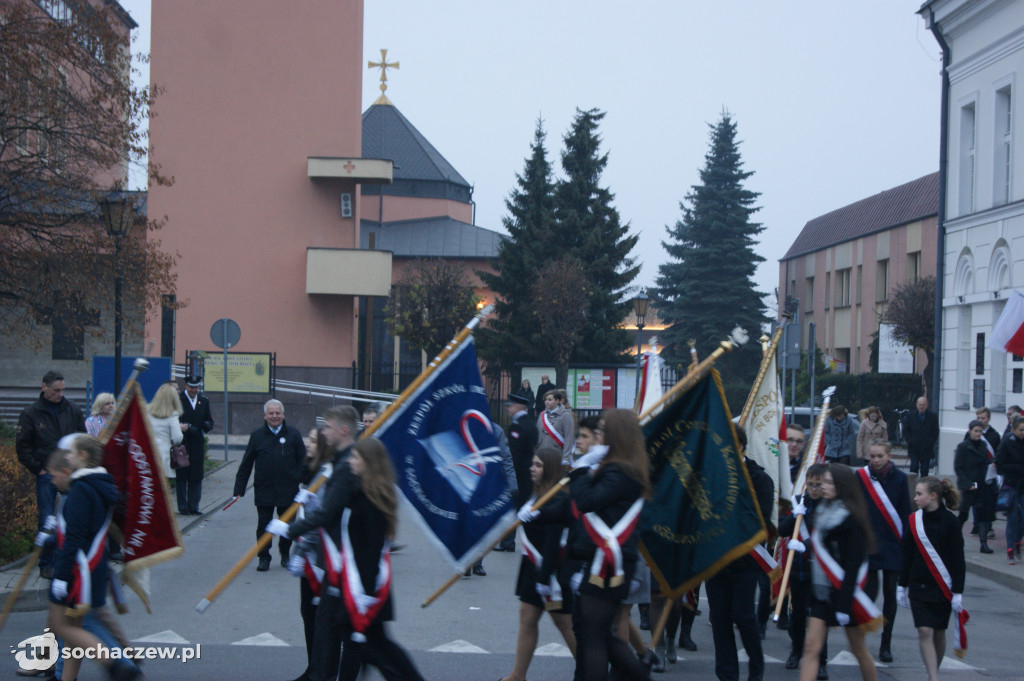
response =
{"points": [[761, 373], [13, 595], [290, 512], [819, 431]]}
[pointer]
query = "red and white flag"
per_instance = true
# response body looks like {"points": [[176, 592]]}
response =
{"points": [[766, 436], [650, 390], [1008, 332]]}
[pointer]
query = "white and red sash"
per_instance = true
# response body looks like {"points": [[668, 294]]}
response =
{"points": [[362, 607], [881, 501], [550, 429], [607, 563], [767, 562], [941, 575], [865, 612], [554, 601], [80, 590], [990, 472]]}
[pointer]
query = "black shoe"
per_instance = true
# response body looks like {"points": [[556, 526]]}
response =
{"points": [[284, 562], [793, 661], [885, 655], [479, 570], [985, 548], [822, 673], [687, 643], [396, 547], [46, 572], [264, 564]]}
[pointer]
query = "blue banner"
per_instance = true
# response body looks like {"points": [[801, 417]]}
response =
{"points": [[447, 462]]}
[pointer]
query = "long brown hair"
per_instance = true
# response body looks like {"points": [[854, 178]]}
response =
{"points": [[378, 480], [626, 446], [551, 457], [323, 452], [849, 491]]}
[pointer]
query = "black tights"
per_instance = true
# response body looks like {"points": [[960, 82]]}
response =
{"points": [[889, 578], [601, 646]]}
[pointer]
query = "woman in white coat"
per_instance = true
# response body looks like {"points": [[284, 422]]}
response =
{"points": [[164, 411]]}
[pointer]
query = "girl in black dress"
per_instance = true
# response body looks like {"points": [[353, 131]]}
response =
{"points": [[541, 537], [928, 601], [609, 486]]}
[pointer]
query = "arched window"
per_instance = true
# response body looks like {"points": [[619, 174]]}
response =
{"points": [[999, 267], [963, 279]]}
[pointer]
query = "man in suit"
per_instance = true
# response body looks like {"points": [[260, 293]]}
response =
{"points": [[279, 454], [921, 431], [545, 386], [40, 426], [196, 419], [522, 441]]}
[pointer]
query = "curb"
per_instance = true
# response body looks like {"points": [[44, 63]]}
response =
{"points": [[1000, 577]]}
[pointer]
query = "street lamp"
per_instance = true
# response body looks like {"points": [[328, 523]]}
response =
{"points": [[118, 214], [640, 305]]}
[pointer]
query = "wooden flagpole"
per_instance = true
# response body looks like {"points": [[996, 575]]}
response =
{"points": [[819, 431], [773, 348], [285, 517], [13, 595], [547, 496]]}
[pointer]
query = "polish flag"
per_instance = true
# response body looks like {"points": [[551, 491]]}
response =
{"points": [[1008, 332]]}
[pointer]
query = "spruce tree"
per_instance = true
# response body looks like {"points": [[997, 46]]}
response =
{"points": [[513, 334], [589, 230], [707, 285]]}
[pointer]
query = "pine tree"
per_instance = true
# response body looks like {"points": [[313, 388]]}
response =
{"points": [[513, 335], [589, 230], [707, 285]]}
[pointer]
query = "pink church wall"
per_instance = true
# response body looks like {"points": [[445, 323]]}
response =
{"points": [[248, 96]]}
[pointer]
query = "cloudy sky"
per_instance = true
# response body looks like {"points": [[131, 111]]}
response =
{"points": [[834, 101]]}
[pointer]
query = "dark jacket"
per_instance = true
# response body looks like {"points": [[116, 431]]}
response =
{"points": [[280, 462], [609, 492], [85, 509], [522, 440], [970, 464], [40, 429], [943, 530], [1010, 461], [846, 544], [199, 420], [802, 561], [337, 494], [764, 492], [921, 435], [888, 553], [545, 533]]}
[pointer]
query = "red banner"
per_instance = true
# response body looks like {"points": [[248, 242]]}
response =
{"points": [[144, 516]]}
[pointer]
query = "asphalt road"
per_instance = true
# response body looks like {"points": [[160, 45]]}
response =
{"points": [[253, 630]]}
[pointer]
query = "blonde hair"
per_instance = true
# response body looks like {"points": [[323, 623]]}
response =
{"points": [[101, 400], [165, 403]]}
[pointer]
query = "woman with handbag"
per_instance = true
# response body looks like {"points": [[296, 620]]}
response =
{"points": [[164, 411], [975, 482]]}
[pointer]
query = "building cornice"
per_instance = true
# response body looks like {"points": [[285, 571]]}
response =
{"points": [[954, 17], [1007, 210], [994, 52]]}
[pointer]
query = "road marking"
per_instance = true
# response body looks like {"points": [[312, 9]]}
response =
{"points": [[742, 657], [458, 646], [953, 663], [166, 636], [264, 639], [553, 650], [847, 659]]}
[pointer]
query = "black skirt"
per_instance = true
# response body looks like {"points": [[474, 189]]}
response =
{"points": [[526, 586], [823, 610], [933, 614]]}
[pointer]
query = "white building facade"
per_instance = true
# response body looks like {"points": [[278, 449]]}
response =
{"points": [[982, 211]]}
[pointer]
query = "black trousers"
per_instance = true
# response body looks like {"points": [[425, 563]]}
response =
{"points": [[889, 604], [264, 515], [601, 646], [188, 485], [308, 611], [920, 462], [731, 601], [800, 606]]}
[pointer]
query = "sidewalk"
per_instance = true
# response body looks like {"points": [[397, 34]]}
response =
{"points": [[218, 487], [993, 565]]}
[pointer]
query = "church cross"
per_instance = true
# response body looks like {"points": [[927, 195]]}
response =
{"points": [[383, 65]]}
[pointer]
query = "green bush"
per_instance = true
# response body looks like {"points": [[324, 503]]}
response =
{"points": [[18, 510]]}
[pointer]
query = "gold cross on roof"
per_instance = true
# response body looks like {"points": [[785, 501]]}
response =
{"points": [[383, 65]]}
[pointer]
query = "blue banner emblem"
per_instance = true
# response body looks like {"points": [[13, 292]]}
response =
{"points": [[447, 462]]}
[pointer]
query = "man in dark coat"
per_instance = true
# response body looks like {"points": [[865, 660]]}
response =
{"points": [[545, 386], [279, 454], [921, 431], [196, 419], [522, 441], [41, 425]]}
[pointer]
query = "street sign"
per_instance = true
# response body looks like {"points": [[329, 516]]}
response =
{"points": [[225, 333]]}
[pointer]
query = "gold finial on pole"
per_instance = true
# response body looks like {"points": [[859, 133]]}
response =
{"points": [[383, 65], [694, 361]]}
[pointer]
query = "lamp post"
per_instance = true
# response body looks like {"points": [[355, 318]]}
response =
{"points": [[640, 305], [118, 213]]}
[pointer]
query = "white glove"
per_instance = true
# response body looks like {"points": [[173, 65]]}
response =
{"points": [[42, 538], [842, 618], [799, 508], [543, 590], [59, 589], [901, 597], [591, 459], [297, 566], [958, 603], [526, 514], [303, 496], [50, 523], [575, 581], [796, 545], [277, 527]]}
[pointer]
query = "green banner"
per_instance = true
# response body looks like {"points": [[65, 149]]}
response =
{"points": [[703, 513]]}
